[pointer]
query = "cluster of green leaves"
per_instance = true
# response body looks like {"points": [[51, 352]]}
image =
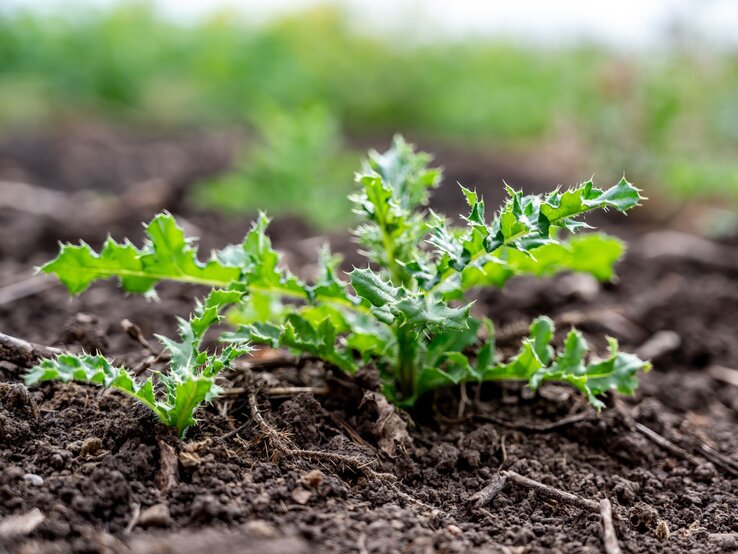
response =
{"points": [[175, 395], [406, 312]]}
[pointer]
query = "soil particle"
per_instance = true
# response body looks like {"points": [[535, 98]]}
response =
{"points": [[155, 516], [478, 447], [301, 416], [84, 330]]}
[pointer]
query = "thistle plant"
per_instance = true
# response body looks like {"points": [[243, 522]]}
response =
{"points": [[406, 312]]}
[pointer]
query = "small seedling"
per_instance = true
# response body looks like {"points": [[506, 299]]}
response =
{"points": [[405, 312], [174, 396]]}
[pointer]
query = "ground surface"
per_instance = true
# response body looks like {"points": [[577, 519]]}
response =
{"points": [[91, 463]]}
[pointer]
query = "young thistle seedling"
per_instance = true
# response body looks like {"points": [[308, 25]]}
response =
{"points": [[173, 396], [405, 312]]}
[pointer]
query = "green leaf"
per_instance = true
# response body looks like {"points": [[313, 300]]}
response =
{"points": [[434, 314], [542, 333], [616, 372], [94, 369], [369, 285], [558, 208], [167, 254], [184, 353], [188, 395], [451, 341], [300, 335], [406, 172], [394, 188], [537, 362]]}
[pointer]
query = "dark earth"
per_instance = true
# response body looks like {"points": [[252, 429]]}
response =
{"points": [[83, 470]]}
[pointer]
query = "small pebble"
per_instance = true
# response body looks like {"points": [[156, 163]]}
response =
{"points": [[455, 531], [33, 479], [90, 447], [260, 529], [301, 496], [155, 516], [313, 479], [662, 531]]}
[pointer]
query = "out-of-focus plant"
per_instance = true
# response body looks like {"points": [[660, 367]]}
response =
{"points": [[296, 165]]}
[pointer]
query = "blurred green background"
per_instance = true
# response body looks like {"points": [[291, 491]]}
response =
{"points": [[309, 84]]}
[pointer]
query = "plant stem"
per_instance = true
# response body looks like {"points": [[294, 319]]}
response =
{"points": [[406, 356], [387, 241]]}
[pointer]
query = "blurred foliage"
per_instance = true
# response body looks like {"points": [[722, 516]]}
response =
{"points": [[297, 164], [664, 118]]}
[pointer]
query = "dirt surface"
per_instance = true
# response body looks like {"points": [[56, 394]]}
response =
{"points": [[84, 471]]}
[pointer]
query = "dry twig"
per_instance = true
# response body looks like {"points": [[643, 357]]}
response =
{"points": [[487, 494], [708, 453], [717, 458], [604, 508], [277, 392], [551, 492], [537, 427], [609, 538], [26, 287], [23, 353], [663, 442]]}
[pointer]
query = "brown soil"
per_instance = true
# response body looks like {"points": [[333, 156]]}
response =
{"points": [[91, 462]]}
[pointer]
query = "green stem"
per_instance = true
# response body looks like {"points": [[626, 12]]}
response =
{"points": [[388, 242], [407, 351], [389, 248], [213, 283]]}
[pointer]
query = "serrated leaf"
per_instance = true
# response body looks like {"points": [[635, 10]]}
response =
{"points": [[451, 341], [537, 362], [436, 314], [177, 392], [542, 333], [300, 335], [558, 207], [617, 372], [94, 369], [188, 395], [167, 254], [394, 186], [370, 286], [406, 172]]}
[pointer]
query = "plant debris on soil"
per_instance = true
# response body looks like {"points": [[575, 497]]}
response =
{"points": [[296, 458]]}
